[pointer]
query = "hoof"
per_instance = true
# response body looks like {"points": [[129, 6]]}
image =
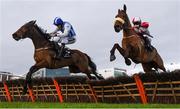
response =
{"points": [[101, 78], [127, 61], [112, 58]]}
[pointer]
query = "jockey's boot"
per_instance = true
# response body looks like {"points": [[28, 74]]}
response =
{"points": [[148, 44], [56, 45], [61, 51], [150, 48]]}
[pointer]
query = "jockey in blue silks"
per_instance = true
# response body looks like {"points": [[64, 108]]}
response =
{"points": [[64, 34]]}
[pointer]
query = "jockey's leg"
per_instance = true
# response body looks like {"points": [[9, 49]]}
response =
{"points": [[63, 41], [148, 43], [61, 50], [56, 45]]}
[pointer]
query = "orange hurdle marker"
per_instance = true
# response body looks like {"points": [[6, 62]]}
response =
{"points": [[141, 89], [33, 99], [58, 89], [7, 92]]}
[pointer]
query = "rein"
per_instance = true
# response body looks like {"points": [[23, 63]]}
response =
{"points": [[40, 49], [129, 36]]}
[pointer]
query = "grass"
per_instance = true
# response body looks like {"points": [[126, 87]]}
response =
{"points": [[82, 105]]}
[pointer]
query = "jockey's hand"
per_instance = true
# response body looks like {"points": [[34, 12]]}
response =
{"points": [[53, 34], [48, 36], [149, 35]]}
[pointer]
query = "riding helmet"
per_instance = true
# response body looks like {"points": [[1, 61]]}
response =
{"points": [[58, 21], [136, 20]]}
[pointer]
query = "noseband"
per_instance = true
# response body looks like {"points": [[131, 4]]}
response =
{"points": [[119, 19], [122, 21]]}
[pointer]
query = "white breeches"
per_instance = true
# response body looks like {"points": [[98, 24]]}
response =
{"points": [[65, 40]]}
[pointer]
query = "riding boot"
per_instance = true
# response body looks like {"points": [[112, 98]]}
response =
{"points": [[148, 44], [56, 45], [61, 50], [150, 47]]}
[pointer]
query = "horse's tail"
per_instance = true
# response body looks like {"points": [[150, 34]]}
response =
{"points": [[91, 64]]}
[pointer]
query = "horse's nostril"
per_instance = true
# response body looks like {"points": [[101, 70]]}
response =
{"points": [[117, 28], [14, 35]]}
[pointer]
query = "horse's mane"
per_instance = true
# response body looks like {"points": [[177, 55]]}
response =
{"points": [[45, 35]]}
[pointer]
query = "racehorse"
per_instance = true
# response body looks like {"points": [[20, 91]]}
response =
{"points": [[44, 55], [133, 46]]}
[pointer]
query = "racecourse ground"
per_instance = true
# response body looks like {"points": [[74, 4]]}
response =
{"points": [[82, 105]]}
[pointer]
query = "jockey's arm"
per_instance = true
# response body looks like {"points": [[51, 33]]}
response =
{"points": [[148, 33], [67, 29], [54, 33], [145, 31]]}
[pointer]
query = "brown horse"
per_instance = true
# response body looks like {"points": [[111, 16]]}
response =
{"points": [[44, 55], [133, 45]]}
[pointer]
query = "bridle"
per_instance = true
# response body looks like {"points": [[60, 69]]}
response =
{"points": [[121, 21]]}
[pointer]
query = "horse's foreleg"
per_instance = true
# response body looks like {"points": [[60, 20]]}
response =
{"points": [[33, 69], [28, 78], [124, 53], [112, 56]]}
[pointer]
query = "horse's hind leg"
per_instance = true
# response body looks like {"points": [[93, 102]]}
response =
{"points": [[89, 72], [147, 67], [158, 62], [124, 53], [100, 77]]}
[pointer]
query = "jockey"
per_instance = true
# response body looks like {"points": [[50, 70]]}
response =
{"points": [[66, 35], [141, 28]]}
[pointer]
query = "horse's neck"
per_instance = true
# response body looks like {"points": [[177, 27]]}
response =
{"points": [[38, 40], [128, 30]]}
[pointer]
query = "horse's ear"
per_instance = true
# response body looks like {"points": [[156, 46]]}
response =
{"points": [[119, 11], [34, 21], [124, 7]]}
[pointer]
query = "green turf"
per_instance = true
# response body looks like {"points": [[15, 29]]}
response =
{"points": [[82, 105]]}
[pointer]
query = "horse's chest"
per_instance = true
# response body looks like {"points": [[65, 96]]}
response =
{"points": [[39, 56]]}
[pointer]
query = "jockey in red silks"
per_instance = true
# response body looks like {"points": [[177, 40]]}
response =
{"points": [[141, 28]]}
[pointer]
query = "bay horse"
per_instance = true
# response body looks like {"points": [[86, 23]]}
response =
{"points": [[44, 54], [133, 46]]}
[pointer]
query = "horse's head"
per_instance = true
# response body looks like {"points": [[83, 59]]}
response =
{"points": [[120, 19], [24, 31]]}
